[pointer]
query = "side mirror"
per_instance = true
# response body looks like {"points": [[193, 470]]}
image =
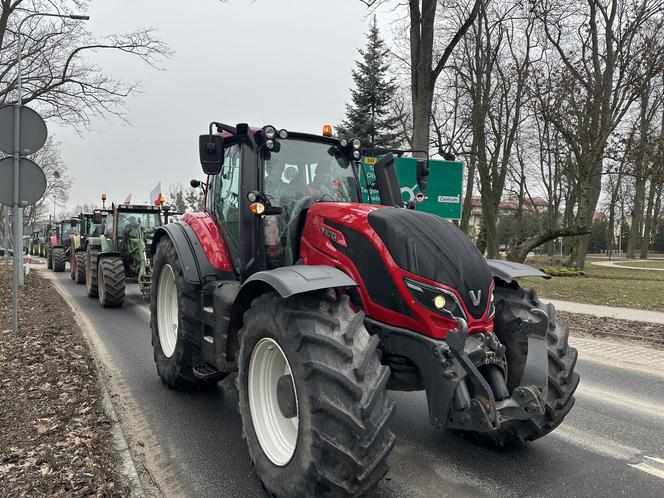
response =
{"points": [[422, 174], [211, 152], [195, 183], [97, 218], [387, 182]]}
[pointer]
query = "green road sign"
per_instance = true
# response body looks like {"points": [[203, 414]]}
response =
{"points": [[443, 193]]}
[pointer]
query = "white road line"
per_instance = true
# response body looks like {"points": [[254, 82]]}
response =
{"points": [[649, 469], [595, 443]]}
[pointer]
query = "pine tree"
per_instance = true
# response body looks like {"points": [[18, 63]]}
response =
{"points": [[368, 117]]}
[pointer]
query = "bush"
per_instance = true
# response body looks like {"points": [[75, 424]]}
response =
{"points": [[563, 272]]}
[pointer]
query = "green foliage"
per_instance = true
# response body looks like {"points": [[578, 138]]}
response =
{"points": [[563, 272], [369, 117], [598, 236], [531, 224]]}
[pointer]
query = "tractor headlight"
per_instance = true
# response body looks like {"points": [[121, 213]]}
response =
{"points": [[356, 143], [356, 155], [435, 299], [283, 134], [343, 142], [269, 132], [269, 144]]}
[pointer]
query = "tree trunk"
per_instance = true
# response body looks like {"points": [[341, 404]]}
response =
{"points": [[467, 210], [490, 217], [589, 195], [519, 252], [647, 227]]}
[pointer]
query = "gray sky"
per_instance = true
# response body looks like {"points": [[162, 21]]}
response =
{"points": [[280, 62]]}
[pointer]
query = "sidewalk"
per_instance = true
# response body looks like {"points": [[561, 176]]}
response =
{"points": [[608, 311], [616, 264]]}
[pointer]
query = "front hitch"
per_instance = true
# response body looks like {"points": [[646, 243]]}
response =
{"points": [[474, 406]]}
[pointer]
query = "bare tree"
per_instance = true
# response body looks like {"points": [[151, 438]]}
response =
{"points": [[58, 77], [600, 46]]}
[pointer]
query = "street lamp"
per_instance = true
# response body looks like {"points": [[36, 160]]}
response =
{"points": [[18, 210]]}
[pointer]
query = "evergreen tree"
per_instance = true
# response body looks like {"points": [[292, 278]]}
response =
{"points": [[368, 117]]}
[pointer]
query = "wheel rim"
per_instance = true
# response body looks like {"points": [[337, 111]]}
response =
{"points": [[167, 311], [276, 433]]}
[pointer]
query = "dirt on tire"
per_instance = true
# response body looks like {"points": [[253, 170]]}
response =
{"points": [[55, 437]]}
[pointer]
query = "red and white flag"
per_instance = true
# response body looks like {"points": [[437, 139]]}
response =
{"points": [[155, 196], [127, 200]]}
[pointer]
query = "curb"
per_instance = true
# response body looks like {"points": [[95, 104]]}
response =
{"points": [[128, 465]]}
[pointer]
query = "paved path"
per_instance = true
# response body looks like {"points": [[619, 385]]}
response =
{"points": [[616, 264], [608, 311], [609, 445]]}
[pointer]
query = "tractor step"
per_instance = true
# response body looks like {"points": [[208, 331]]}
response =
{"points": [[206, 372]]}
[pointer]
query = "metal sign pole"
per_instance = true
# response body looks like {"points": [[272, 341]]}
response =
{"points": [[6, 235], [18, 223]]}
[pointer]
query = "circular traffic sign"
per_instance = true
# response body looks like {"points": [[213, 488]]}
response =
{"points": [[32, 135], [31, 181]]}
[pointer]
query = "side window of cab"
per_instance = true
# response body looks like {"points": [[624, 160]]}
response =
{"points": [[223, 196]]}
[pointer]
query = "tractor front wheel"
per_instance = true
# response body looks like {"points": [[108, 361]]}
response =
{"points": [[91, 263], [59, 259], [313, 397], [111, 282], [175, 322], [514, 306], [79, 271]]}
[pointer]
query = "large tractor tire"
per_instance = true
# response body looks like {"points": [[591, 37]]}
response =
{"points": [[111, 282], [59, 259], [313, 398], [49, 259], [514, 307], [175, 323], [79, 271], [91, 262]]}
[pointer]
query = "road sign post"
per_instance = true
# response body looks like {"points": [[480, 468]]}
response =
{"points": [[23, 183]]}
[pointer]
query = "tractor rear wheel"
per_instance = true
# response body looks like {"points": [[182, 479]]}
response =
{"points": [[91, 262], [49, 259], [111, 282], [313, 397], [79, 272], [175, 322], [514, 307], [59, 259]]}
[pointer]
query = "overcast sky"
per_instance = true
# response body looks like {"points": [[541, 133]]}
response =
{"points": [[280, 62]]}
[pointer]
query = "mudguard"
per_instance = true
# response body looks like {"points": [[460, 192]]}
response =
{"points": [[196, 267], [290, 280], [508, 270]]}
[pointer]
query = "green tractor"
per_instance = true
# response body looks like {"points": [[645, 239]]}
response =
{"points": [[92, 225], [33, 243], [120, 253]]}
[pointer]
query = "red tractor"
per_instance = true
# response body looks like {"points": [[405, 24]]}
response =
{"points": [[59, 244], [321, 304]]}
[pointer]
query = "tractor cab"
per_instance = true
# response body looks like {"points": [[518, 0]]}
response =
{"points": [[282, 175], [130, 223]]}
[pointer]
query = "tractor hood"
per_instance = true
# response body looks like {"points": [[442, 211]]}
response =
{"points": [[435, 249]]}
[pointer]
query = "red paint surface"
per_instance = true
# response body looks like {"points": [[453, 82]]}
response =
{"points": [[317, 249], [208, 234]]}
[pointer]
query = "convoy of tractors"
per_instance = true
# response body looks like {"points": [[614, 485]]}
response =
{"points": [[322, 291]]}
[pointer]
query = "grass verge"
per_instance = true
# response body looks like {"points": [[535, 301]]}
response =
{"points": [[620, 287]]}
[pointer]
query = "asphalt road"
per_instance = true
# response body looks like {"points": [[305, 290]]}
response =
{"points": [[611, 444]]}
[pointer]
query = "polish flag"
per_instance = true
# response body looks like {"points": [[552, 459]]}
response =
{"points": [[127, 200], [155, 196]]}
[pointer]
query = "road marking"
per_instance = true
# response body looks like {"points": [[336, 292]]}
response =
{"points": [[622, 400], [650, 469]]}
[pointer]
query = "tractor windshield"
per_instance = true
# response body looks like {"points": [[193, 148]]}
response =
{"points": [[302, 172], [303, 169], [147, 221]]}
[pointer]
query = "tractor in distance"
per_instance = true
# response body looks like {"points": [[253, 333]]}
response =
{"points": [[88, 228], [120, 252], [321, 303], [33, 243], [59, 242]]}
